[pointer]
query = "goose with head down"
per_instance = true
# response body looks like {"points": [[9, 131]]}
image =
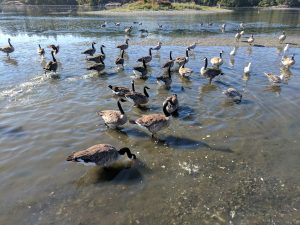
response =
{"points": [[210, 73], [8, 49], [235, 95], [122, 91], [103, 155], [138, 98]]}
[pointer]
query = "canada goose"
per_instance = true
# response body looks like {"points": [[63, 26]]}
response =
{"points": [[274, 79], [288, 61], [247, 68], [104, 24], [113, 118], [101, 155], [128, 29], [172, 103], [250, 40], [54, 48], [210, 73], [138, 98], [40, 51], [217, 61], [117, 24], [144, 31], [90, 51], [157, 47], [98, 66], [282, 37], [97, 57], [122, 91], [169, 63], [154, 122], [183, 59], [286, 48], [238, 36], [8, 49], [140, 71], [147, 58], [120, 60], [235, 95], [123, 46], [233, 52], [184, 72], [223, 27], [242, 27], [52, 65], [192, 46], [165, 80]]}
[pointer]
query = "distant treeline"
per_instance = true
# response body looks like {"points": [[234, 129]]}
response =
{"points": [[226, 3]]}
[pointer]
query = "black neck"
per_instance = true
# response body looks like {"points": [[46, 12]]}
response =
{"points": [[93, 46], [132, 86], [145, 92], [205, 63], [122, 55], [102, 50], [52, 53], [220, 54], [167, 114], [169, 71], [150, 52], [120, 108], [171, 55], [126, 41], [122, 151], [9, 42], [187, 53], [144, 64], [39, 46], [101, 60], [183, 65]]}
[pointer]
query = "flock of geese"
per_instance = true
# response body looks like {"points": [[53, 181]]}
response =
{"points": [[104, 154]]}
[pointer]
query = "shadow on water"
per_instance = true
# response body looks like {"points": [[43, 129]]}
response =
{"points": [[12, 132], [11, 61]]}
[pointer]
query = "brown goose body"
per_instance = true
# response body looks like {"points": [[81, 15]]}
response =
{"points": [[98, 66], [147, 58], [138, 98], [96, 58], [122, 91], [210, 73], [169, 63], [288, 61], [274, 79], [217, 61], [235, 95], [182, 59], [8, 49], [40, 51], [123, 46], [120, 60], [172, 103], [101, 155], [140, 71], [185, 72], [52, 65]]}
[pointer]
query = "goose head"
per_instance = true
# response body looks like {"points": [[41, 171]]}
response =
{"points": [[126, 150], [126, 41]]}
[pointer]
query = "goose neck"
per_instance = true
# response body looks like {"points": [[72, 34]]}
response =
{"points": [[120, 108]]}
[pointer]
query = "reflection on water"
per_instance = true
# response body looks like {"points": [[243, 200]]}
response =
{"points": [[218, 162]]}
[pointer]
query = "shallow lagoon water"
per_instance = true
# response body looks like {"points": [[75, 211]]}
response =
{"points": [[218, 163]]}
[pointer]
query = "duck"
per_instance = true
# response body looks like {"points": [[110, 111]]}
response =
{"points": [[165, 80], [122, 91], [210, 73], [183, 59], [170, 62], [120, 60], [247, 68], [54, 48], [102, 155], [192, 46], [235, 95], [274, 79], [154, 122], [52, 65], [113, 118], [217, 61], [123, 46], [98, 66], [128, 29], [97, 57], [147, 58], [282, 37], [138, 98], [288, 61], [286, 48], [8, 49], [185, 72], [157, 47], [251, 40], [233, 52], [140, 71], [172, 103], [40, 51], [90, 51]]}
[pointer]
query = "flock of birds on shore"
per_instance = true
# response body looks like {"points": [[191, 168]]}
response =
{"points": [[105, 154]]}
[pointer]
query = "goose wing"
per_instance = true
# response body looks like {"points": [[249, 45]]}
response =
{"points": [[110, 116]]}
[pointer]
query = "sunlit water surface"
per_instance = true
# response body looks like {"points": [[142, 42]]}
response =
{"points": [[218, 163]]}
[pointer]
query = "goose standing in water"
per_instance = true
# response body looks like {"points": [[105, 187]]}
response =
{"points": [[41, 51], [217, 61], [97, 57], [154, 122], [238, 35], [90, 51], [128, 29], [54, 48], [104, 24], [165, 80], [288, 61], [98, 66], [172, 103], [247, 68], [251, 40], [183, 59], [52, 65], [274, 79], [113, 118], [282, 37], [210, 73], [169, 63], [8, 49], [102, 155], [235, 95], [233, 52], [123, 46], [157, 47], [147, 58], [122, 91], [286, 48], [138, 98], [120, 60], [192, 46], [140, 72], [223, 27], [184, 72]]}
